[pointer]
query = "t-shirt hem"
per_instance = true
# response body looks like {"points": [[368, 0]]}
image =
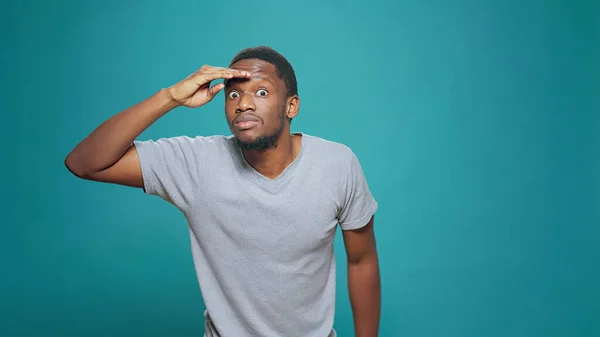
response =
{"points": [[144, 165], [356, 224]]}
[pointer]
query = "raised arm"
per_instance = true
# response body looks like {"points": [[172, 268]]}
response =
{"points": [[108, 155]]}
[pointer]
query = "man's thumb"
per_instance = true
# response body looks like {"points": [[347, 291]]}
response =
{"points": [[214, 90]]}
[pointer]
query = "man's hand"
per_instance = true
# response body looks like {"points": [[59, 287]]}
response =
{"points": [[195, 90]]}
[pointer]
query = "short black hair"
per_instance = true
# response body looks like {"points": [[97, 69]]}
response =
{"points": [[270, 55]]}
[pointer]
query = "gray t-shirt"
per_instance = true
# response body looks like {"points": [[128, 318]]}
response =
{"points": [[262, 248]]}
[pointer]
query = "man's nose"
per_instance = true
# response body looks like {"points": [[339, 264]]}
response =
{"points": [[246, 103]]}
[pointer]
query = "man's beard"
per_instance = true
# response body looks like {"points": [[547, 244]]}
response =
{"points": [[263, 142]]}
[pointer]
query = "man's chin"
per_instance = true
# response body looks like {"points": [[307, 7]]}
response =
{"points": [[253, 142]]}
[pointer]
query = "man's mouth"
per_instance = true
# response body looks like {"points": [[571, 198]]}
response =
{"points": [[245, 122]]}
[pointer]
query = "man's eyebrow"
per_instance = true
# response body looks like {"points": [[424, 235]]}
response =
{"points": [[253, 77]]}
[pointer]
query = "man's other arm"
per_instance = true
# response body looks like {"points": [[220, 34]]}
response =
{"points": [[363, 279]]}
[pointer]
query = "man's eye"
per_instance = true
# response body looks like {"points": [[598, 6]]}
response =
{"points": [[233, 94], [262, 92]]}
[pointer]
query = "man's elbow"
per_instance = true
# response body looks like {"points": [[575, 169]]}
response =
{"points": [[366, 259], [75, 167], [364, 269], [71, 166]]}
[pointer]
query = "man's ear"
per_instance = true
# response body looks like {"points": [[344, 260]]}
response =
{"points": [[293, 106]]}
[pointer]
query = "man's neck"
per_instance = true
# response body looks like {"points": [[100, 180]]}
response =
{"points": [[272, 162]]}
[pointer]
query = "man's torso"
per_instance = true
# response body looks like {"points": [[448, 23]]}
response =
{"points": [[262, 248]]}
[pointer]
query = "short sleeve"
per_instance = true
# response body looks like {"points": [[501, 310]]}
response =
{"points": [[358, 204], [170, 168]]}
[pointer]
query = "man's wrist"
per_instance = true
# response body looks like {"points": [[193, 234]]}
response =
{"points": [[167, 100]]}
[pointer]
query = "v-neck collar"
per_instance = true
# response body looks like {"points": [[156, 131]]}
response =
{"points": [[272, 185]]}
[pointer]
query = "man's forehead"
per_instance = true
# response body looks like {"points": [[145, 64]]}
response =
{"points": [[258, 69], [255, 66]]}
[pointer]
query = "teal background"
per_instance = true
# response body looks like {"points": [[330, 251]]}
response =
{"points": [[477, 124]]}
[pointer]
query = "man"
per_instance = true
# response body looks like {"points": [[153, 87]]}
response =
{"points": [[262, 204]]}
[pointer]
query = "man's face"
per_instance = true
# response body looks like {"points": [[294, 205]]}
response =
{"points": [[256, 107]]}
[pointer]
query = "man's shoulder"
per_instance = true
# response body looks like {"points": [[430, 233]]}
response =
{"points": [[193, 148], [330, 148], [209, 140], [190, 142]]}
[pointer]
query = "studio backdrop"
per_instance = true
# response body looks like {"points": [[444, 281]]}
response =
{"points": [[476, 123]]}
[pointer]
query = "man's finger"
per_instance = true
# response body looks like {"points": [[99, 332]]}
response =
{"points": [[224, 74], [206, 69]]}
